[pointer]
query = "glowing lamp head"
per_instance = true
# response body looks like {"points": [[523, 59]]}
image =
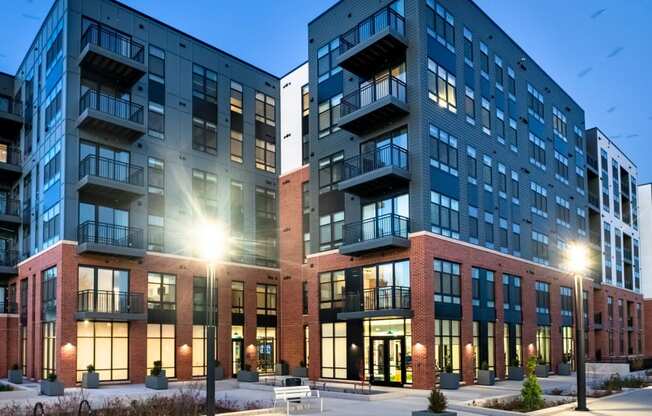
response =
{"points": [[577, 258], [210, 241]]}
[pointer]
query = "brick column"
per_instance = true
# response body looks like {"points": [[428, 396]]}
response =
{"points": [[423, 329], [138, 329], [468, 363], [501, 364], [555, 324], [66, 324], [224, 324], [183, 340], [250, 324], [529, 311]]}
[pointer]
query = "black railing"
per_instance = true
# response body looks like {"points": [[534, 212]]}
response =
{"points": [[10, 155], [110, 235], [8, 307], [591, 161], [111, 169], [116, 107], [11, 106], [382, 19], [378, 227], [113, 42], [369, 93], [107, 301], [594, 199], [387, 155], [9, 206], [378, 298]]}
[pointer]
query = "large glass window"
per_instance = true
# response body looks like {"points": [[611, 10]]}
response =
{"points": [[448, 349], [161, 347], [444, 215], [331, 289], [543, 343], [199, 346], [266, 349], [330, 172], [237, 297], [265, 109], [265, 299], [161, 291], [333, 350], [48, 353], [441, 86], [447, 282], [105, 345], [331, 230]]}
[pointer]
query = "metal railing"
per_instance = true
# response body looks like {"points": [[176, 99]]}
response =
{"points": [[372, 91], [591, 161], [116, 107], [387, 155], [595, 237], [9, 206], [378, 298], [382, 19], [110, 234], [107, 301], [10, 155], [378, 227], [111, 169], [8, 307], [11, 106], [114, 42], [594, 199]]}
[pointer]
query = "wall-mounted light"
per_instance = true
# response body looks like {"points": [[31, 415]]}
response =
{"points": [[354, 347], [185, 348]]}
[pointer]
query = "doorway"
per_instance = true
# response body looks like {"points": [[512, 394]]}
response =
{"points": [[237, 355], [387, 361]]}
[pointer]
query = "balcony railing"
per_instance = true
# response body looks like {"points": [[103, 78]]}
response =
{"points": [[8, 307], [11, 106], [388, 225], [10, 155], [383, 19], [110, 234], [114, 42], [373, 91], [594, 237], [594, 199], [116, 107], [106, 301], [379, 298], [9, 206], [111, 169], [384, 156], [591, 161]]}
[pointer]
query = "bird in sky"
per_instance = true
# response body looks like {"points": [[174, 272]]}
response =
{"points": [[597, 13]]}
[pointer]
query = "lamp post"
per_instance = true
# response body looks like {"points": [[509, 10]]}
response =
{"points": [[577, 263]]}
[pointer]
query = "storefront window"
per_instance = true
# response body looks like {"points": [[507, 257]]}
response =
{"points": [[105, 345], [161, 347], [448, 344], [266, 349], [333, 350], [543, 343]]}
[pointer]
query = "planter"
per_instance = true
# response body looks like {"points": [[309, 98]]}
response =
{"points": [[282, 369], [449, 381], [15, 376], [486, 378], [91, 380], [159, 382], [51, 388], [245, 376], [564, 369], [541, 370], [429, 413], [515, 373], [299, 372], [219, 373]]}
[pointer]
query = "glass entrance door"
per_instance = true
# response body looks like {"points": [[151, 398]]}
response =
{"points": [[237, 355], [387, 363]]}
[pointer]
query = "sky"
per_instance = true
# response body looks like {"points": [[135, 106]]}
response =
{"points": [[599, 51]]}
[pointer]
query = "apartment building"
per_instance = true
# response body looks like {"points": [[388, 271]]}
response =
{"points": [[444, 175], [645, 222], [132, 133]]}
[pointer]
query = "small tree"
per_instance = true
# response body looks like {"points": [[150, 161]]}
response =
{"points": [[531, 393], [156, 370], [90, 368], [436, 400]]}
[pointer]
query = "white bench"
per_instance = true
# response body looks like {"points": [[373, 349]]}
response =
{"points": [[297, 395]]}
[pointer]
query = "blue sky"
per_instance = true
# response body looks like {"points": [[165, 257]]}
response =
{"points": [[599, 51]]}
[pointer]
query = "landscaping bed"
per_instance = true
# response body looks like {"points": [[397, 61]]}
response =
{"points": [[515, 403]]}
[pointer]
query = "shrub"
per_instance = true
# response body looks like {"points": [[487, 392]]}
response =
{"points": [[540, 360], [484, 366], [566, 358], [515, 362], [616, 383], [51, 377], [436, 400], [90, 368], [531, 393], [247, 367], [218, 363], [156, 370]]}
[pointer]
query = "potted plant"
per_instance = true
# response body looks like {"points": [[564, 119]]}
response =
{"points": [[486, 377], [51, 386], [156, 379], [90, 379], [564, 367], [15, 375], [282, 368], [219, 371], [247, 376], [301, 371], [436, 404], [449, 380], [515, 371], [541, 369]]}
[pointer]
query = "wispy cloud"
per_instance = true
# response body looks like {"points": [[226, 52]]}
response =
{"points": [[615, 52], [597, 13], [632, 136], [585, 72], [611, 109], [30, 16]]}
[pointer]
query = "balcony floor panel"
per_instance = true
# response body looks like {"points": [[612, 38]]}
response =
{"points": [[363, 247], [378, 51], [380, 313], [10, 220], [109, 316], [121, 192], [374, 115], [111, 66], [379, 180], [132, 252], [92, 119], [7, 271]]}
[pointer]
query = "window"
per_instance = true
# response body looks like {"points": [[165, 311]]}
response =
{"points": [[502, 180], [543, 343], [236, 97], [52, 166], [330, 230], [559, 124], [266, 349], [512, 135], [265, 155], [48, 330], [487, 173], [265, 299], [537, 151], [265, 109], [161, 291], [266, 224], [489, 229], [304, 297], [484, 60], [333, 350], [471, 165], [500, 126], [448, 342], [581, 221], [511, 292], [444, 215], [156, 120], [579, 180], [327, 58], [329, 116], [447, 282], [330, 172], [579, 139], [305, 203], [563, 212], [105, 346], [155, 204], [204, 84], [51, 226], [236, 147], [539, 247], [566, 294], [331, 289], [204, 136], [535, 103], [543, 297], [483, 288], [561, 167], [204, 190], [53, 106], [237, 297], [516, 239], [441, 25], [473, 225], [499, 72], [305, 125], [515, 188], [161, 347], [540, 200], [156, 93], [443, 150], [469, 105], [485, 116], [511, 83], [441, 86], [54, 50], [468, 47], [306, 345]]}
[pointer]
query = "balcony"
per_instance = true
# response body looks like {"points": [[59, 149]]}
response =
{"points": [[10, 162], [381, 169], [112, 56], [123, 181], [10, 212], [384, 232], [374, 105], [110, 306], [103, 238], [592, 162], [376, 42], [377, 302], [8, 308], [11, 114], [594, 201], [111, 115], [8, 263]]}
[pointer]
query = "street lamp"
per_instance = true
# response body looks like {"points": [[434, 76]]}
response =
{"points": [[211, 242], [577, 262]]}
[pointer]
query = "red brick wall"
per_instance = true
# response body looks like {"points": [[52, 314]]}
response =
{"points": [[9, 342], [647, 326]]}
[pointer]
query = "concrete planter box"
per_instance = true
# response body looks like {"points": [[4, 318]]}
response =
{"points": [[159, 382], [91, 380], [541, 370], [515, 373], [282, 369], [299, 372], [449, 381], [15, 376], [564, 369], [429, 413], [219, 373], [245, 376], [486, 378], [51, 388]]}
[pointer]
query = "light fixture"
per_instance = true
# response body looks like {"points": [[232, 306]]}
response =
{"points": [[210, 241], [577, 258]]}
